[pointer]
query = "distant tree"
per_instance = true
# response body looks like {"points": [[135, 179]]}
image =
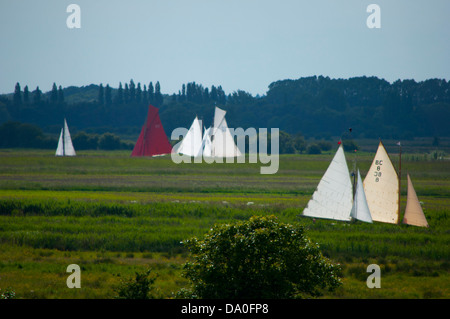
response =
{"points": [[109, 141], [138, 93], [132, 91], [151, 93], [84, 141], [37, 95], [183, 93], [119, 96], [299, 143], [145, 95], [15, 134], [313, 149], [286, 143], [60, 95], [350, 146], [126, 94], [213, 94], [26, 95], [158, 95], [17, 98], [221, 97], [101, 95], [324, 145], [206, 97], [261, 258], [54, 94], [108, 95]]}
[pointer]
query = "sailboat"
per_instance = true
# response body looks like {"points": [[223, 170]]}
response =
{"points": [[65, 146], [222, 142], [360, 209], [192, 143], [152, 140], [333, 197], [206, 143], [216, 141], [413, 213], [381, 186]]}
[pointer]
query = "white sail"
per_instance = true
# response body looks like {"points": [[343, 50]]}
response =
{"points": [[68, 146], [60, 148], [192, 142], [223, 144], [333, 198], [413, 213], [360, 210], [381, 187], [65, 146], [206, 143]]}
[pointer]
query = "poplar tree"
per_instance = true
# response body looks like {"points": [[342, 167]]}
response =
{"points": [[17, 95], [54, 94]]}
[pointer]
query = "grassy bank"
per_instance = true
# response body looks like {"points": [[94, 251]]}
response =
{"points": [[113, 215]]}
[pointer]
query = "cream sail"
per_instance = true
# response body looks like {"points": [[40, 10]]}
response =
{"points": [[65, 146], [222, 141], [360, 210], [333, 198], [206, 143], [382, 188], [413, 213], [192, 142]]}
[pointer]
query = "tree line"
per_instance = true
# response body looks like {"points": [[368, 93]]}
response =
{"points": [[24, 135], [314, 106]]}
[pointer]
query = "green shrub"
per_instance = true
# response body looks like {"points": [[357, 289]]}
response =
{"points": [[139, 287], [259, 258]]}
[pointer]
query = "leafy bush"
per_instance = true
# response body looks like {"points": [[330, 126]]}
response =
{"points": [[313, 149], [138, 288], [259, 258]]}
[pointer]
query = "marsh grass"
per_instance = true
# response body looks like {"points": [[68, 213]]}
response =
{"points": [[114, 215]]}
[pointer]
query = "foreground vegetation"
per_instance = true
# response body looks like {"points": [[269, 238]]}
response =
{"points": [[114, 215]]}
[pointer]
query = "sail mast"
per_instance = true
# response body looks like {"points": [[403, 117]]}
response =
{"points": [[64, 138]]}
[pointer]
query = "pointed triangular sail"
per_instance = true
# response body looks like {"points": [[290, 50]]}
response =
{"points": [[333, 197], [153, 140], [223, 144], [191, 144], [206, 143], [360, 210], [219, 116], [413, 213], [68, 146], [60, 148], [381, 187]]}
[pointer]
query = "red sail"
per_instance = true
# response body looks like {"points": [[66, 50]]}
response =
{"points": [[152, 140]]}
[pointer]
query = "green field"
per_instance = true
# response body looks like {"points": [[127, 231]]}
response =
{"points": [[113, 215]]}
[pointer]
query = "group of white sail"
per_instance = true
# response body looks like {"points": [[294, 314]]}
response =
{"points": [[216, 141], [377, 199]]}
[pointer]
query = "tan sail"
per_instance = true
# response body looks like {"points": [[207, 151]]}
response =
{"points": [[413, 213], [381, 188]]}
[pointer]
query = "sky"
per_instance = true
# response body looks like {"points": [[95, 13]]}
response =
{"points": [[238, 44]]}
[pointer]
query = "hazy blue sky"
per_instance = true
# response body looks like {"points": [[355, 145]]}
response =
{"points": [[239, 44]]}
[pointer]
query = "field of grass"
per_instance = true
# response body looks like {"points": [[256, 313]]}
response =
{"points": [[113, 215]]}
